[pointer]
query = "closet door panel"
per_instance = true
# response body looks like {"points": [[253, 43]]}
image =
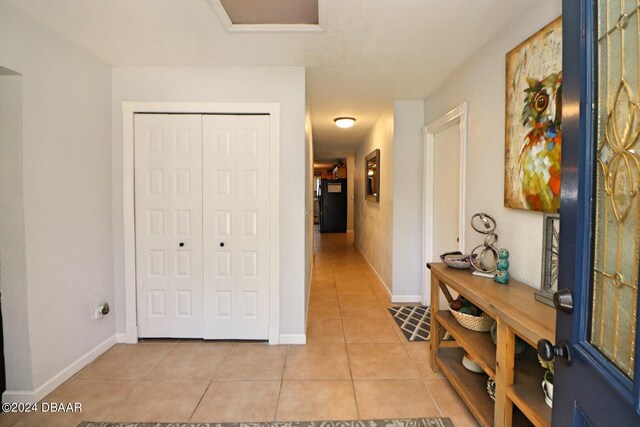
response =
{"points": [[236, 226], [168, 215]]}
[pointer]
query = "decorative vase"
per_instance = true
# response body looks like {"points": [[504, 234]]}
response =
{"points": [[547, 388], [502, 267]]}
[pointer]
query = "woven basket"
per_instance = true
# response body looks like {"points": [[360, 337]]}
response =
{"points": [[480, 323]]}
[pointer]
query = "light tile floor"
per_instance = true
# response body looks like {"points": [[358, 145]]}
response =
{"points": [[356, 364]]}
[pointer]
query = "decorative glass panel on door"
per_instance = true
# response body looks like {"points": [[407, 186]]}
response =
{"points": [[617, 209]]}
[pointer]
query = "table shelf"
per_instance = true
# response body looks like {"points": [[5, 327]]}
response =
{"points": [[471, 387], [478, 344], [519, 395], [526, 391]]}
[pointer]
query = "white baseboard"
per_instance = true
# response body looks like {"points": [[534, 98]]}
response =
{"points": [[121, 338], [293, 338], [406, 298], [28, 396], [384, 284], [132, 334], [274, 335], [386, 289]]}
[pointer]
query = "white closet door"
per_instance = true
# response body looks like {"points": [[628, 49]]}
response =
{"points": [[168, 206], [236, 226]]}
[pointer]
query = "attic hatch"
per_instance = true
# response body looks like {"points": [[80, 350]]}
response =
{"points": [[270, 15]]}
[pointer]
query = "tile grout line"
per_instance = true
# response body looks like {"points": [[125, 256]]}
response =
{"points": [[200, 400], [224, 359], [286, 358], [432, 398], [346, 348], [159, 360], [353, 383]]}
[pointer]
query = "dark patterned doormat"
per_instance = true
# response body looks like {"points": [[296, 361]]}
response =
{"points": [[414, 321], [410, 422]]}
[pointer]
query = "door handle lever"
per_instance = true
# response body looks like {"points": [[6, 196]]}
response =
{"points": [[563, 300], [548, 351]]}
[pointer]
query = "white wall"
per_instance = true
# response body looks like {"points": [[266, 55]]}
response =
{"points": [[308, 210], [66, 179], [285, 85], [374, 221], [408, 164], [481, 82], [13, 268]]}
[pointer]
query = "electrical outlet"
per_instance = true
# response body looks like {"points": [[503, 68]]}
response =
{"points": [[92, 310], [96, 312]]}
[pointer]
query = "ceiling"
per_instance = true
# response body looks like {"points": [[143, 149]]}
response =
{"points": [[371, 52]]}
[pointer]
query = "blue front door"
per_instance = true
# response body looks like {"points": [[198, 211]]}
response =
{"points": [[600, 216]]}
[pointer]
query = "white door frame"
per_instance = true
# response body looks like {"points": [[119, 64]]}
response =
{"points": [[129, 109], [457, 114]]}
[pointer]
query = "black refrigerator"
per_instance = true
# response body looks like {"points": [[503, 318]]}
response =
{"points": [[333, 206]]}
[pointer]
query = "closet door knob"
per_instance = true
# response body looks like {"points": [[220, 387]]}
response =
{"points": [[222, 244], [181, 244]]}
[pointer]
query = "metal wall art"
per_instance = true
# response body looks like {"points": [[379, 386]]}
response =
{"points": [[485, 256], [550, 253]]}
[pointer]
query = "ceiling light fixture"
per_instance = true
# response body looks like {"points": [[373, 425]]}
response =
{"points": [[344, 122]]}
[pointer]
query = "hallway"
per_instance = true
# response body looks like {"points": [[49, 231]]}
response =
{"points": [[391, 377], [356, 365]]}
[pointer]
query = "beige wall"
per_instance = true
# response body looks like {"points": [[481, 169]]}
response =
{"points": [[374, 221], [481, 82], [408, 165], [66, 195], [389, 233], [350, 186]]}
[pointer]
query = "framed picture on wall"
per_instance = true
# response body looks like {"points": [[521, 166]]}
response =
{"points": [[372, 176], [533, 134]]}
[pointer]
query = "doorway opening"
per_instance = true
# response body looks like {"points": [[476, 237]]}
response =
{"points": [[444, 188], [333, 193]]}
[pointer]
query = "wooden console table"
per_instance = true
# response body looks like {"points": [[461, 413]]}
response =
{"points": [[519, 399]]}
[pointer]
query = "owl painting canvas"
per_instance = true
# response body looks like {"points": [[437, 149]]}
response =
{"points": [[533, 139]]}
